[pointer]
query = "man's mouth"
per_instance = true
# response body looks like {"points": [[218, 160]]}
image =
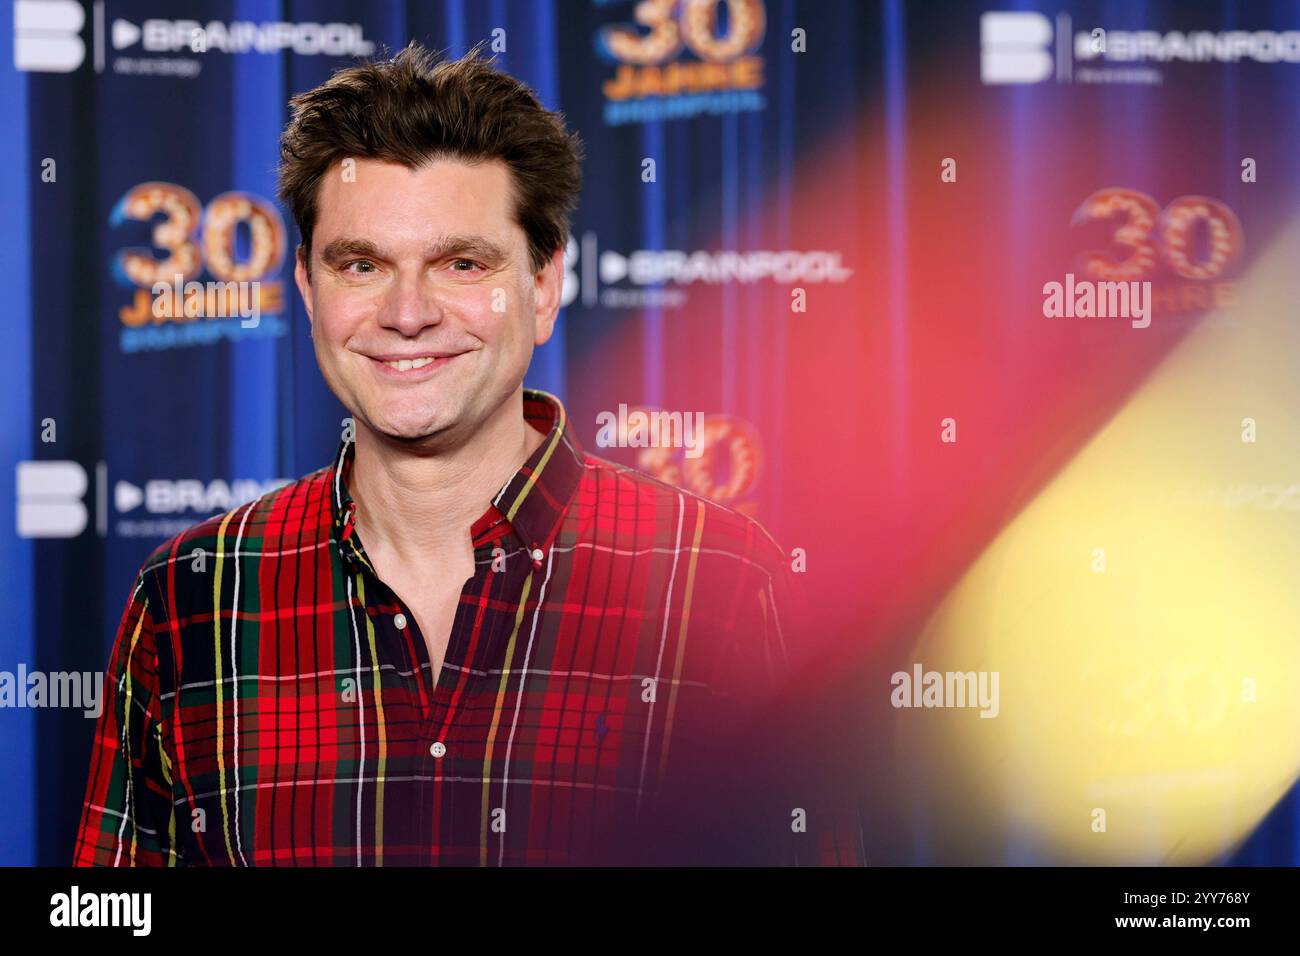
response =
{"points": [[403, 364], [410, 365]]}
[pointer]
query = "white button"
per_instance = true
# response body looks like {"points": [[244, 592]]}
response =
{"points": [[400, 621], [537, 554], [438, 748]]}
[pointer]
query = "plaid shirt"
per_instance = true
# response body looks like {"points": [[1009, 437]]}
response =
{"points": [[269, 700]]}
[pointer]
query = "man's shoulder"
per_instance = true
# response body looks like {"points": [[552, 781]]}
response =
{"points": [[702, 522], [292, 511]]}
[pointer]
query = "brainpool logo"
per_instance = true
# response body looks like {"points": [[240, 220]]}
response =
{"points": [[1024, 47], [47, 39], [239, 36], [52, 500], [47, 36], [643, 278], [1013, 47]]}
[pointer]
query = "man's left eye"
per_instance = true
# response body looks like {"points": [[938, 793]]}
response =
{"points": [[465, 262]]}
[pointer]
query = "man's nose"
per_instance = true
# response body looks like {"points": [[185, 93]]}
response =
{"points": [[410, 305]]}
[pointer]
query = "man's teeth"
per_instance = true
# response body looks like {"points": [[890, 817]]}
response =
{"points": [[404, 365]]}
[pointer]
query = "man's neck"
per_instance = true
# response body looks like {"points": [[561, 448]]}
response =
{"points": [[420, 506]]}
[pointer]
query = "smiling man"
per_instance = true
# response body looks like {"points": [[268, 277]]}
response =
{"points": [[465, 641]]}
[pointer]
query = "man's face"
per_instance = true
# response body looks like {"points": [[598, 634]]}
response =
{"points": [[426, 266]]}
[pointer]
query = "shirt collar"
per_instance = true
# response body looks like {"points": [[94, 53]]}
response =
{"points": [[531, 503]]}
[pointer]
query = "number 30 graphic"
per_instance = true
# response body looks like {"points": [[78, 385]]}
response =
{"points": [[191, 238], [1150, 234]]}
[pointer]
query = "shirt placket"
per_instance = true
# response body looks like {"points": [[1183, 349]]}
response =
{"points": [[391, 611], [443, 691]]}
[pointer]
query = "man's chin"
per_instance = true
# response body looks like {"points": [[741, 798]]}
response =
{"points": [[413, 434], [425, 429]]}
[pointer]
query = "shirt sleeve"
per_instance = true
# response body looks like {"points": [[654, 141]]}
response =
{"points": [[128, 816]]}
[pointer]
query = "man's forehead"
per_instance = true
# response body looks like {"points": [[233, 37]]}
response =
{"points": [[399, 203], [489, 178]]}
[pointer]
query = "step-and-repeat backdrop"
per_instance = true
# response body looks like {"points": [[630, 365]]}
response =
{"points": [[990, 309]]}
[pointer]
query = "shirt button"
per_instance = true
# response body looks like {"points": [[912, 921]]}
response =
{"points": [[438, 748], [400, 621], [537, 554]]}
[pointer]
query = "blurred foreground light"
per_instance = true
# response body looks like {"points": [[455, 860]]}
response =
{"points": [[1143, 615]]}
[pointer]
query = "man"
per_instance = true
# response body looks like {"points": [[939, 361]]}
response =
{"points": [[465, 641]]}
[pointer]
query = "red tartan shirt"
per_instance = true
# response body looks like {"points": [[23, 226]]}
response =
{"points": [[269, 699]]}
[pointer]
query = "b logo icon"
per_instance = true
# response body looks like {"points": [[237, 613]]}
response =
{"points": [[50, 499], [1013, 48], [47, 36], [570, 290]]}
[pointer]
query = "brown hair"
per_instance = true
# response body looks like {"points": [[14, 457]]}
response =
{"points": [[413, 110]]}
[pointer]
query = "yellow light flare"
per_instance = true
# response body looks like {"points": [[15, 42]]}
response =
{"points": [[1163, 690]]}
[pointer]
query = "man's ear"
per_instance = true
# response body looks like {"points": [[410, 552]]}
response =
{"points": [[548, 286], [302, 281]]}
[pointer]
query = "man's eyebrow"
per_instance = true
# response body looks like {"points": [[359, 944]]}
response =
{"points": [[479, 247], [344, 248]]}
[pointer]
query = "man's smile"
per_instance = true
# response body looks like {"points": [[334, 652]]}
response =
{"points": [[413, 367]]}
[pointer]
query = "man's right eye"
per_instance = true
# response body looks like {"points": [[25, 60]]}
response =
{"points": [[355, 263]]}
